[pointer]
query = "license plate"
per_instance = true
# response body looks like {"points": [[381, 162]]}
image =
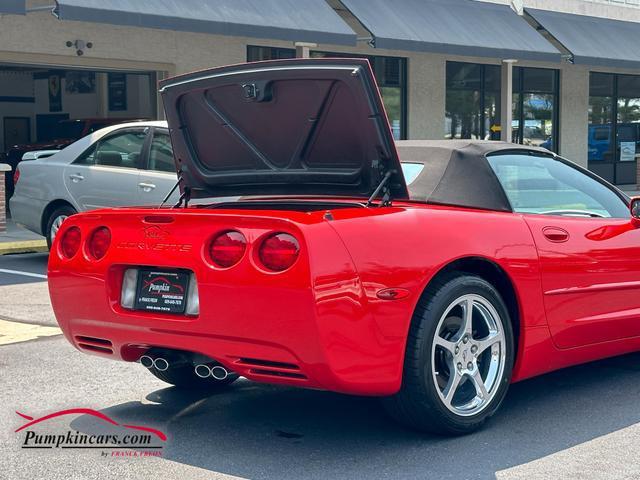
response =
{"points": [[159, 291]]}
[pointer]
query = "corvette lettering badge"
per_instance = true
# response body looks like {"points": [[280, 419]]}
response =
{"points": [[158, 247]]}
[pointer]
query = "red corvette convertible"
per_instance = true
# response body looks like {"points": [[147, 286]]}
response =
{"points": [[433, 274]]}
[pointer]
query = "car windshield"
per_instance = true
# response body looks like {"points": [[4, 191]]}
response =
{"points": [[545, 185]]}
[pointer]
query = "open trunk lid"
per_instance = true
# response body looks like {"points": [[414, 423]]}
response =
{"points": [[292, 127]]}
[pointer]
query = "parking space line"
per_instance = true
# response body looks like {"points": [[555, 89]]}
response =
{"points": [[25, 274], [14, 332]]}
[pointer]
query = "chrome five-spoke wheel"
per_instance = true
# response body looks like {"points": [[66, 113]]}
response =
{"points": [[459, 355], [468, 355]]}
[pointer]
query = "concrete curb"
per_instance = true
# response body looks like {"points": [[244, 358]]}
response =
{"points": [[23, 246]]}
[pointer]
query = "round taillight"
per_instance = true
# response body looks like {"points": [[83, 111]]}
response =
{"points": [[227, 249], [99, 242], [70, 242], [279, 251]]}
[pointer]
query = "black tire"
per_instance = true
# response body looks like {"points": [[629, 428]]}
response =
{"points": [[66, 211], [418, 404], [183, 376]]}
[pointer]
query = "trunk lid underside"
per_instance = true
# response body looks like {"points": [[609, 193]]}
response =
{"points": [[297, 127]]}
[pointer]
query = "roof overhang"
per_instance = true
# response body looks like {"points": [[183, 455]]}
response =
{"points": [[293, 20], [593, 40], [454, 27]]}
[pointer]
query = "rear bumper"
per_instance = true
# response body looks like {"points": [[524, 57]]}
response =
{"points": [[313, 326], [261, 362], [27, 211], [289, 356]]}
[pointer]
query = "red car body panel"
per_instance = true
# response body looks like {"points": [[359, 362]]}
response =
{"points": [[339, 317], [589, 278], [320, 323]]}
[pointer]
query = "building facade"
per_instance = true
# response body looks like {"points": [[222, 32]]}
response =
{"points": [[446, 68]]}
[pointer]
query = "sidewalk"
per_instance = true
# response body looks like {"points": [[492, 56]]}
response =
{"points": [[20, 240]]}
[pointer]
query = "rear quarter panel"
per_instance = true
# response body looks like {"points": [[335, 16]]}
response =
{"points": [[407, 247]]}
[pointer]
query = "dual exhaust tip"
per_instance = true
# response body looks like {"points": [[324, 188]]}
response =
{"points": [[159, 363], [218, 372], [202, 370]]}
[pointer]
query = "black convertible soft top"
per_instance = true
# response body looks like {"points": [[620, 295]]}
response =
{"points": [[456, 172]]}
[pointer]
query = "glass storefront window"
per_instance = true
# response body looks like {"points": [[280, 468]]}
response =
{"points": [[472, 101], [390, 72], [535, 111], [600, 117], [614, 126], [628, 99], [257, 54], [473, 104]]}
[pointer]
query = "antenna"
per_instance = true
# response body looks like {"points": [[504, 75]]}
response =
{"points": [[518, 6]]}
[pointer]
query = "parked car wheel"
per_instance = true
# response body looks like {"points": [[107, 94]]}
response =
{"points": [[183, 376], [58, 216], [459, 358]]}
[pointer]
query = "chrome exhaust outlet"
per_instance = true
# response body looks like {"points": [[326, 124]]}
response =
{"points": [[219, 372], [203, 371], [146, 361], [161, 364]]}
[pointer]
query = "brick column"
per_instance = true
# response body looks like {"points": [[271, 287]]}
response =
{"points": [[4, 170]]}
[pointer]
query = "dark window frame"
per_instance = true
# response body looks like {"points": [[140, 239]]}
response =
{"points": [[555, 117], [615, 123], [483, 90], [151, 135], [275, 53], [518, 88]]}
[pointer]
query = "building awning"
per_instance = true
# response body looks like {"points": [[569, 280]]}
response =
{"points": [[295, 20], [456, 27], [13, 6], [593, 40]]}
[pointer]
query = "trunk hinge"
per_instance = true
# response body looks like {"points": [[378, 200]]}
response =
{"points": [[173, 189], [185, 197], [383, 188]]}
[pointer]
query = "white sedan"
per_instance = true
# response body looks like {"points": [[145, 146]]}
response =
{"points": [[127, 164]]}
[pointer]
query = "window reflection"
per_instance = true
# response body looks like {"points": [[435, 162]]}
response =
{"points": [[614, 126], [472, 101], [473, 104], [535, 98], [600, 117]]}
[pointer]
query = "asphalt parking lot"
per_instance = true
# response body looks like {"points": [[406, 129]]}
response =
{"points": [[578, 423]]}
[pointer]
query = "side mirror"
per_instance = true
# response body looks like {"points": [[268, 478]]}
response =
{"points": [[634, 208]]}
